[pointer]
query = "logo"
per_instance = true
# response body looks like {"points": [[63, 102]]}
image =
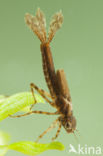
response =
{"points": [[85, 150]]}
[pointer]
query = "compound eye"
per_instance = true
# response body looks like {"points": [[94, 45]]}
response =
{"points": [[67, 125]]}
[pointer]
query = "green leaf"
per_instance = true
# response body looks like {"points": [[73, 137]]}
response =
{"points": [[25, 109], [33, 148], [4, 139], [3, 150], [2, 98], [26, 147], [17, 103]]}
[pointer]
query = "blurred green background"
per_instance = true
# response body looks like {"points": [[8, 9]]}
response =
{"points": [[77, 48]]}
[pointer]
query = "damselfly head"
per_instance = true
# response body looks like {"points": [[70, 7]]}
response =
{"points": [[69, 123]]}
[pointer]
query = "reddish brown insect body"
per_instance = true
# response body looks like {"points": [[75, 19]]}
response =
{"points": [[58, 87], [56, 80]]}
